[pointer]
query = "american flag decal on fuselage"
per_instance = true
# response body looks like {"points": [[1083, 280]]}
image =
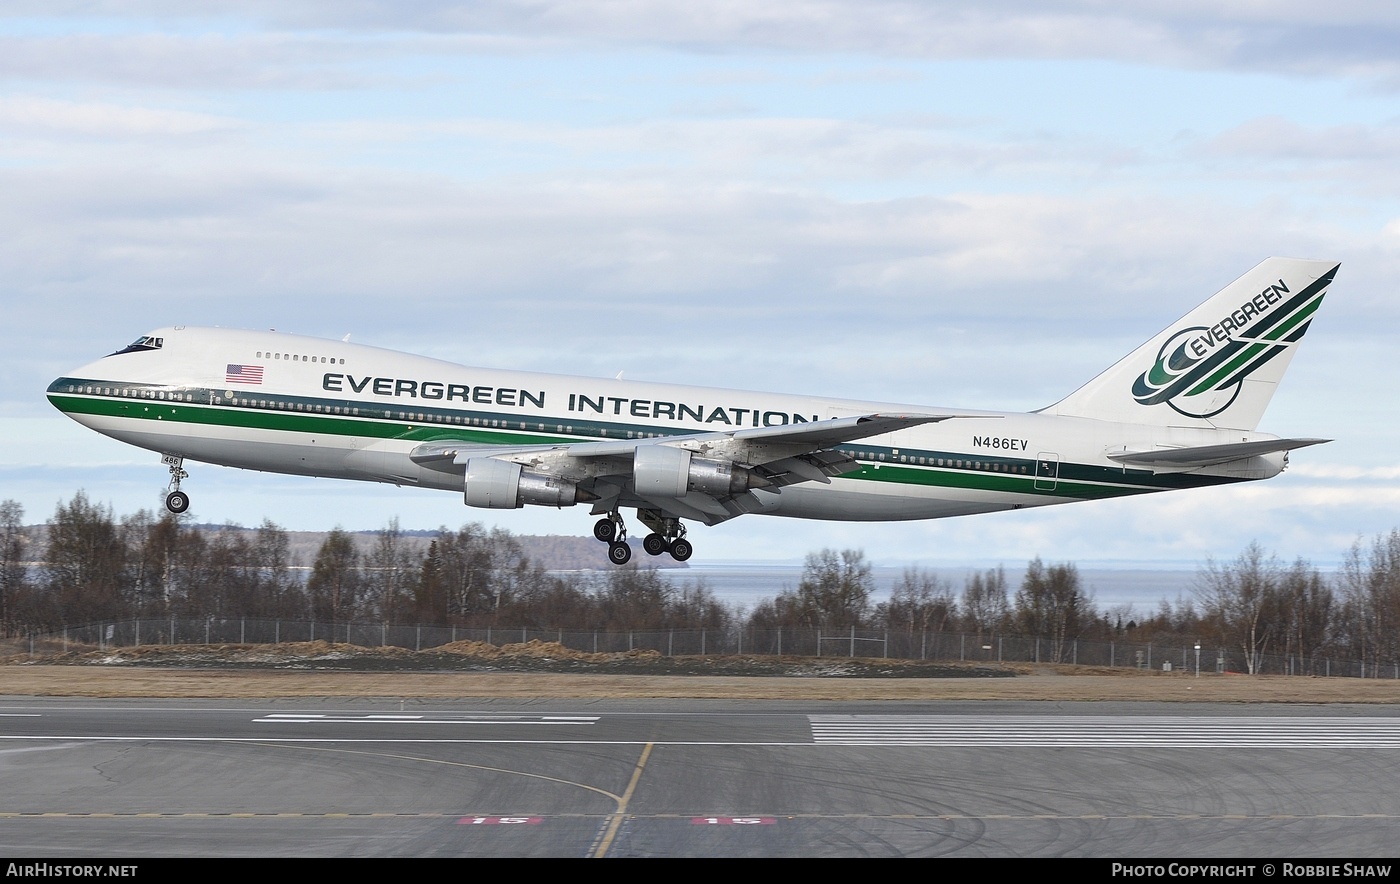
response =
{"points": [[243, 374]]}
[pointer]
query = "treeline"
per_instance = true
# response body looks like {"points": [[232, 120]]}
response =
{"points": [[96, 567], [1251, 607]]}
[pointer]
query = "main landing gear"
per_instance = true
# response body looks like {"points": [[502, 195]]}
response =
{"points": [[176, 500], [613, 531], [655, 544], [667, 536]]}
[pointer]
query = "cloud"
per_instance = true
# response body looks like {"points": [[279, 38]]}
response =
{"points": [[1004, 300], [1346, 472], [1277, 138], [24, 116], [1294, 518], [1347, 38], [773, 196], [189, 61], [269, 233]]}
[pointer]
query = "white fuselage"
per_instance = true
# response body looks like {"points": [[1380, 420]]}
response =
{"points": [[290, 404]]}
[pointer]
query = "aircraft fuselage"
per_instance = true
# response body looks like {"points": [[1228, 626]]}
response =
{"points": [[289, 404]]}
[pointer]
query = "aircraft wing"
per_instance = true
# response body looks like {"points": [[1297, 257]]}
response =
{"points": [[709, 477], [1208, 455]]}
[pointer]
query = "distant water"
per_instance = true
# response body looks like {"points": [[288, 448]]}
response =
{"points": [[745, 584]]}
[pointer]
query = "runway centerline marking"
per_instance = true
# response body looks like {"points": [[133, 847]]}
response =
{"points": [[615, 823]]}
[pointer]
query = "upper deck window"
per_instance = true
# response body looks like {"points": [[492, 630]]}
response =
{"points": [[145, 342]]}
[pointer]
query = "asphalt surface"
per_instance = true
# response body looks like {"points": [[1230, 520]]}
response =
{"points": [[140, 778]]}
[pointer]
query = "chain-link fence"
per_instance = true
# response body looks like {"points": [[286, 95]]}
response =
{"points": [[787, 641]]}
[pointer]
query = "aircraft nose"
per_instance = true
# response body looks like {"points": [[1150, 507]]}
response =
{"points": [[64, 392], [72, 382], [59, 391]]}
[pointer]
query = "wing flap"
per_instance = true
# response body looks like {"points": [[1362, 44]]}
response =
{"points": [[451, 455], [824, 434]]}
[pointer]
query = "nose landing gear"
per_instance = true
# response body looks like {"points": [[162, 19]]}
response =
{"points": [[176, 500]]}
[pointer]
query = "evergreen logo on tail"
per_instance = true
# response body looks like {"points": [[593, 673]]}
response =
{"points": [[1199, 371]]}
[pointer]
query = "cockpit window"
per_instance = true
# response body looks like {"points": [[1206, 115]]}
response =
{"points": [[145, 342]]}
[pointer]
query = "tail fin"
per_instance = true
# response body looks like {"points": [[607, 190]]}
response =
{"points": [[1217, 366]]}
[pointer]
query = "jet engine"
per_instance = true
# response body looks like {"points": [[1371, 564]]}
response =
{"points": [[502, 485], [663, 471]]}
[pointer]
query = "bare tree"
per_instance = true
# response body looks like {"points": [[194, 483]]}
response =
{"points": [[633, 598], [334, 586], [86, 563], [546, 600], [12, 571], [388, 576], [1050, 603], [1307, 612], [1370, 590], [834, 591], [919, 602], [279, 592], [984, 604], [694, 606], [1236, 599]]}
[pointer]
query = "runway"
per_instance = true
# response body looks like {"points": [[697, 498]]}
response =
{"points": [[138, 779]]}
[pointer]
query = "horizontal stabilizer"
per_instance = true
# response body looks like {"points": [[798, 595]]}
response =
{"points": [[1209, 455]]}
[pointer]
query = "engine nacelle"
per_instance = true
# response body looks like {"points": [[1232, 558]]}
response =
{"points": [[502, 485], [663, 471], [718, 477]]}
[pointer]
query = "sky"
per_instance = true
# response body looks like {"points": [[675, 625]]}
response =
{"points": [[937, 203]]}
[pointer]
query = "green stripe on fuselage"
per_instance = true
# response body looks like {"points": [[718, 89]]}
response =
{"points": [[997, 474], [974, 481]]}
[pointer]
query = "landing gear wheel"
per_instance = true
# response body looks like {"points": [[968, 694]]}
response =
{"points": [[681, 549], [654, 544], [619, 553], [605, 530], [177, 502]]}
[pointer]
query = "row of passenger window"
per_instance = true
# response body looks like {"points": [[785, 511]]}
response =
{"points": [[128, 393], [955, 463], [284, 406], [418, 417], [415, 417], [297, 357]]}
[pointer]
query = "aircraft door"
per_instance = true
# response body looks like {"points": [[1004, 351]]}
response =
{"points": [[1047, 471]]}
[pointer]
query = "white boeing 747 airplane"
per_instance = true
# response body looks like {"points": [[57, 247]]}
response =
{"points": [[1178, 412]]}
